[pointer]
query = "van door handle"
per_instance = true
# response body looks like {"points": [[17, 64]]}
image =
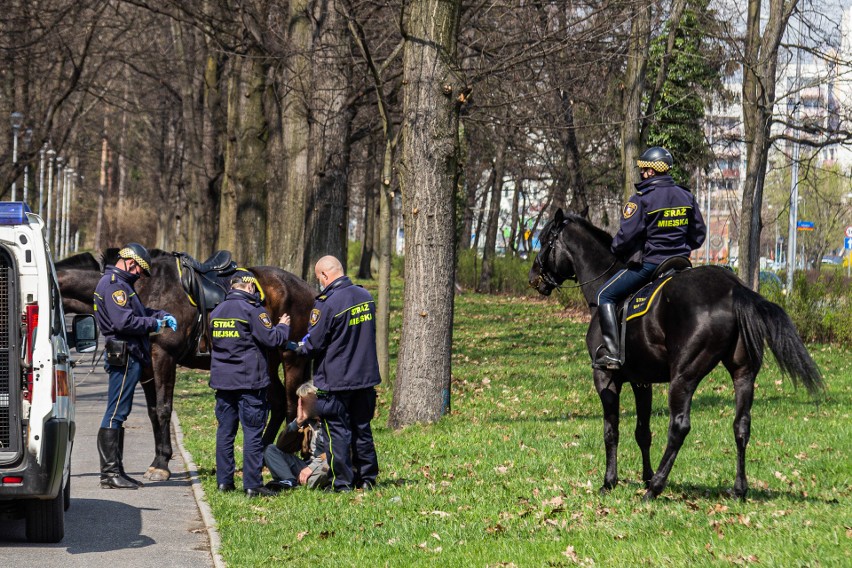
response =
{"points": [[61, 358]]}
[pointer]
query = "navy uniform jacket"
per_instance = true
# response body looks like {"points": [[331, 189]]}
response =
{"points": [[241, 332], [121, 315], [660, 220], [342, 338]]}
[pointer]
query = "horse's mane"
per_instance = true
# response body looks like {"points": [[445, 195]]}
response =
{"points": [[604, 238], [83, 260]]}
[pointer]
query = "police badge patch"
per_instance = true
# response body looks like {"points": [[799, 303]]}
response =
{"points": [[119, 297], [629, 209], [264, 319], [315, 314]]}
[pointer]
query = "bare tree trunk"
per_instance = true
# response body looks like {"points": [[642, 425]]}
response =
{"points": [[513, 231], [634, 81], [371, 208], [214, 124], [759, 78], [428, 175], [573, 169], [386, 235], [327, 212], [102, 188], [287, 247], [493, 224], [467, 216], [228, 196]]}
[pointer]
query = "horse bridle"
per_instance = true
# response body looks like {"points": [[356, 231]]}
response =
{"points": [[544, 275]]}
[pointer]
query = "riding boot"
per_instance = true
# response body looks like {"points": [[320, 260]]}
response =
{"points": [[609, 356], [121, 459], [110, 464]]}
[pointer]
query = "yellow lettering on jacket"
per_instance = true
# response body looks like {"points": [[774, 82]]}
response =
{"points": [[360, 319], [218, 333], [672, 222]]}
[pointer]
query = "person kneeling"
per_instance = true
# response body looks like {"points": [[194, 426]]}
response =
{"points": [[305, 436]]}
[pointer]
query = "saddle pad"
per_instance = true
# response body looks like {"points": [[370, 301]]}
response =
{"points": [[639, 304]]}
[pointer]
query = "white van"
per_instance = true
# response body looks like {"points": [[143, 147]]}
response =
{"points": [[36, 380]]}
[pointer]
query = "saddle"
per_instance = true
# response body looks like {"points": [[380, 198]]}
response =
{"points": [[205, 284], [640, 302]]}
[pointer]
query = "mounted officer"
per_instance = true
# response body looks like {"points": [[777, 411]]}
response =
{"points": [[125, 324], [660, 221]]}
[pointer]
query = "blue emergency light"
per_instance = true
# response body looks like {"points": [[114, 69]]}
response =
{"points": [[14, 213]]}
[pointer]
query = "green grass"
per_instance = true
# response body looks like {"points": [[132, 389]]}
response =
{"points": [[511, 476]]}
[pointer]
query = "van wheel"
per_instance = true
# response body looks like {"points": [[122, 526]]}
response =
{"points": [[46, 519]]}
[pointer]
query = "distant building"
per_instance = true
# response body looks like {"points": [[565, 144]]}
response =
{"points": [[824, 95]]}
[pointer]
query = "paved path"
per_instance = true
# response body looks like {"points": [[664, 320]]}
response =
{"points": [[158, 526]]}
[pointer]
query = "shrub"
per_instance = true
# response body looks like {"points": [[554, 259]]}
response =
{"points": [[510, 274], [820, 306]]}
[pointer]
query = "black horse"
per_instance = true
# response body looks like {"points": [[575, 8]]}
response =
{"points": [[700, 318], [285, 293]]}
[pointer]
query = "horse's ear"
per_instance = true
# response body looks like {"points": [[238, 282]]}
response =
{"points": [[558, 217], [585, 213]]}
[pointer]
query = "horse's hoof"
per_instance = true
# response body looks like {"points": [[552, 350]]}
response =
{"points": [[606, 488], [156, 474], [649, 496], [148, 472]]}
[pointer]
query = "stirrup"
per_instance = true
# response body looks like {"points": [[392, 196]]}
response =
{"points": [[604, 360]]}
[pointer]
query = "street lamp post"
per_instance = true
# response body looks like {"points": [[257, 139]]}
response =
{"points": [[41, 154], [51, 155], [28, 137], [16, 119], [58, 185]]}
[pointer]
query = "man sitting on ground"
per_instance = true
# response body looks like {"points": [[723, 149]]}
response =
{"points": [[287, 469]]}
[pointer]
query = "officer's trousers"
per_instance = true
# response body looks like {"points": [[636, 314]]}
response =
{"points": [[625, 282], [249, 408], [346, 417], [122, 383]]}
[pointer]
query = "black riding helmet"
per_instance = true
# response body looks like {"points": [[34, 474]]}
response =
{"points": [[657, 158], [137, 252]]}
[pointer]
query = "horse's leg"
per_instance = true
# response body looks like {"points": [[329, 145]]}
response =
{"points": [[644, 395], [277, 398], [680, 402], [743, 379], [609, 392], [161, 415], [150, 390]]}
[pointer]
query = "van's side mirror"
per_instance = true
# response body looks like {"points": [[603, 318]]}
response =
{"points": [[84, 334]]}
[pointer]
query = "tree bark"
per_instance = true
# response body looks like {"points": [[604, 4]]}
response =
{"points": [[286, 247], [493, 223], [759, 78], [371, 211], [428, 176], [634, 82], [327, 212]]}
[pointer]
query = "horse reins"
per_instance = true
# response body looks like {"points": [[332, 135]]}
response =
{"points": [[544, 276]]}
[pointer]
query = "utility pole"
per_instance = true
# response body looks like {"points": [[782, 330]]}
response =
{"points": [[794, 173]]}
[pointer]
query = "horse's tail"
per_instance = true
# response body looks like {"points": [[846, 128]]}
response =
{"points": [[760, 321]]}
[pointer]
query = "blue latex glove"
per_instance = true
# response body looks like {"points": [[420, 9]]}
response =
{"points": [[160, 324], [291, 346], [170, 321]]}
